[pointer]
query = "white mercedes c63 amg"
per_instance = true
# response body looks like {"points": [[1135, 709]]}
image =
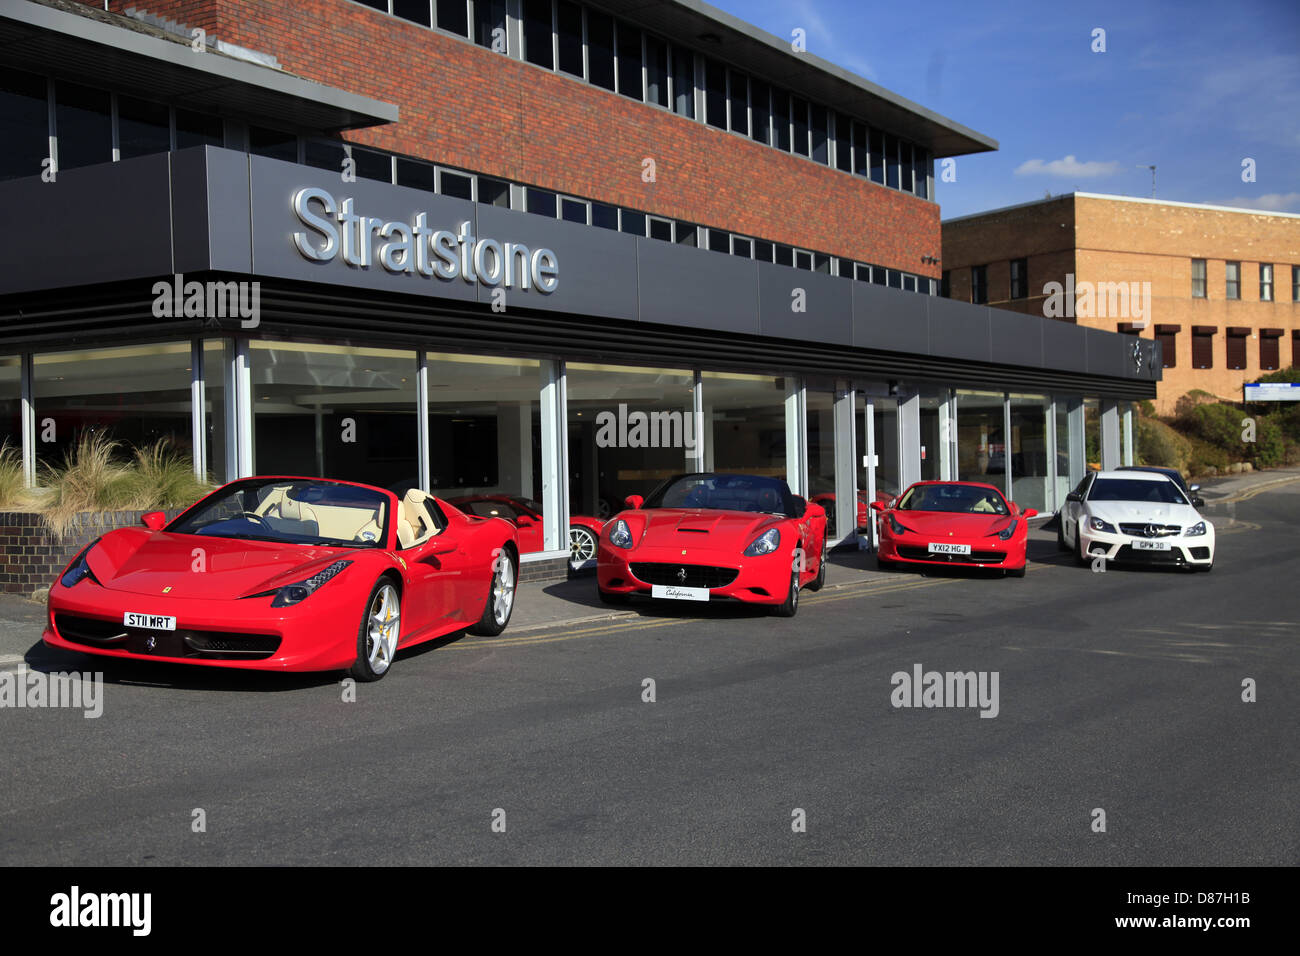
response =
{"points": [[1134, 517]]}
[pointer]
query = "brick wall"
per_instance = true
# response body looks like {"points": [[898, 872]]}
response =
{"points": [[465, 106], [31, 557]]}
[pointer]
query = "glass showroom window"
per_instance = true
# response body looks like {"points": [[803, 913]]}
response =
{"points": [[137, 395], [143, 127], [24, 124], [884, 421], [934, 452], [216, 379], [485, 437], [744, 422], [981, 439], [334, 411], [1070, 464], [84, 124], [1092, 433], [1030, 482], [11, 424], [820, 422], [629, 429]]}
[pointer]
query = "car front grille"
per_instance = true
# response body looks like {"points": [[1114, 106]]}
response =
{"points": [[187, 642], [1129, 553], [1150, 530], [913, 553], [694, 576]]}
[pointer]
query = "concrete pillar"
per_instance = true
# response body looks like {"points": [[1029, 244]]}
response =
{"points": [[1128, 433], [555, 469], [909, 434], [1110, 438], [796, 436], [846, 471]]}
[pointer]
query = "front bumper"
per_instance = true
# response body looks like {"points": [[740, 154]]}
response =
{"points": [[986, 552], [1123, 548], [245, 634], [762, 579]]}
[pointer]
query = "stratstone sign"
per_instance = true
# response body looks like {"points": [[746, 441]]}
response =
{"points": [[415, 248]]}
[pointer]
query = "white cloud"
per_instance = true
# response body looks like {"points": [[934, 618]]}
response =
{"points": [[1271, 202], [1067, 167]]}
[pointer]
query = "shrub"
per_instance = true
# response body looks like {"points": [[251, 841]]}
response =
{"points": [[1160, 445], [12, 490], [1203, 455], [164, 478]]}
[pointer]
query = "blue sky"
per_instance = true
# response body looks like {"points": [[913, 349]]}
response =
{"points": [[1193, 87]]}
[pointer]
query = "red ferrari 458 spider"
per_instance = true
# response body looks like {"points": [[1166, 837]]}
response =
{"points": [[953, 522], [705, 537], [526, 515], [290, 574]]}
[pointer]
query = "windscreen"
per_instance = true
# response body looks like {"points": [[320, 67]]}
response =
{"points": [[960, 499], [1162, 491], [725, 493], [292, 512]]}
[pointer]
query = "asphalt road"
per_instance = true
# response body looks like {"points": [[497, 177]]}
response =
{"points": [[1120, 691]]}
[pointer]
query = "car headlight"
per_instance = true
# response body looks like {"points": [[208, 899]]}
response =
{"points": [[619, 535], [765, 543], [79, 569], [894, 526], [291, 594], [1006, 533], [1096, 524], [1195, 530]]}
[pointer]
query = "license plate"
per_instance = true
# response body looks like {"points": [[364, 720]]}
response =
{"points": [[943, 547], [674, 593], [154, 622], [1143, 545]]}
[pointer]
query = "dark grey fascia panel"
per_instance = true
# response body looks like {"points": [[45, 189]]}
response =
{"points": [[692, 287], [1064, 346], [960, 330], [90, 47], [827, 301], [95, 224], [597, 267], [1015, 339], [889, 319], [1108, 353]]}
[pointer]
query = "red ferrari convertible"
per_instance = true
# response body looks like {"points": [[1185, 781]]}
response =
{"points": [[705, 537], [953, 522], [526, 515], [288, 574]]}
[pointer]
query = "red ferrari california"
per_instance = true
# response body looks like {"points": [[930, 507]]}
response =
{"points": [[288, 574], [708, 537], [953, 522], [526, 515]]}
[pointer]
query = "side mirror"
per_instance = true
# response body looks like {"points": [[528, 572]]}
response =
{"points": [[1073, 496], [1198, 502], [878, 506], [524, 521], [1029, 513], [153, 520], [1193, 488], [634, 502]]}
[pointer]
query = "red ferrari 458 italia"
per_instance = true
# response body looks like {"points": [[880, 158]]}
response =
{"points": [[526, 515], [289, 574], [706, 537], [953, 522]]}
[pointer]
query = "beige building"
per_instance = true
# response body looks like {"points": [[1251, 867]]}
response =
{"points": [[1218, 288]]}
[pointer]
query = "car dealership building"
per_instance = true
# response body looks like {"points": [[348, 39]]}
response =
{"points": [[531, 247]]}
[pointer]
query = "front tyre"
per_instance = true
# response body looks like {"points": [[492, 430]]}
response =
{"points": [[790, 605], [582, 546], [500, 602], [381, 627]]}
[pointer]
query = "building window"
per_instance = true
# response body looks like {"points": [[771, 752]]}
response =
{"points": [[604, 216], [683, 82], [760, 107], [1295, 283], [1019, 278], [817, 125], [893, 279], [1269, 349], [573, 210], [1167, 336], [194, 129], [783, 255], [781, 120], [453, 16], [656, 71], [451, 184], [860, 154], [1198, 278], [862, 272], [661, 229], [490, 26], [799, 113], [493, 192], [905, 167], [945, 284], [719, 240], [740, 246], [877, 157], [84, 124], [1202, 347], [715, 94], [1232, 280], [410, 172], [821, 263], [600, 49], [891, 162], [762, 250], [629, 62], [538, 47], [568, 31], [1265, 282], [1237, 347], [417, 11], [922, 173], [631, 222], [143, 127], [738, 120], [272, 143], [541, 202], [979, 284], [843, 137], [803, 260], [1295, 347], [685, 233]]}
